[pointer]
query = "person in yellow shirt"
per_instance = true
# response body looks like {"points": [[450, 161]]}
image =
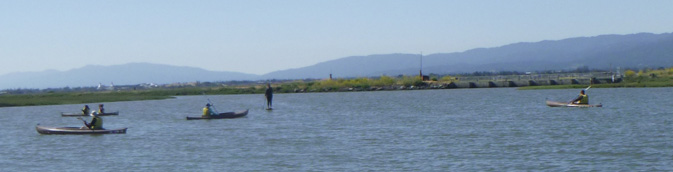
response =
{"points": [[101, 110], [85, 110], [581, 99], [207, 111], [96, 122]]}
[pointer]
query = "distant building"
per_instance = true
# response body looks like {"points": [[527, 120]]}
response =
{"points": [[103, 87]]}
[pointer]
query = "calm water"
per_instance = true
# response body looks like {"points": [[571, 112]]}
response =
{"points": [[428, 130]]}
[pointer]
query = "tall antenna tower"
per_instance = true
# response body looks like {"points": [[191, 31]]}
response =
{"points": [[420, 71]]}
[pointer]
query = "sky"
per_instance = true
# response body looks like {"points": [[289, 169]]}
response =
{"points": [[262, 36]]}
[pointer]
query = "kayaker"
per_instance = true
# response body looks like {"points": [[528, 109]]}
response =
{"points": [[269, 96], [85, 110], [96, 122], [581, 99], [207, 111], [101, 110]]}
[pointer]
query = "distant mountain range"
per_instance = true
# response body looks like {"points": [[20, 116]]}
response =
{"points": [[626, 51], [599, 52], [126, 74]]}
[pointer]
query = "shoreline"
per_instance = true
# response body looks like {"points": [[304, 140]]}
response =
{"points": [[653, 78], [96, 97]]}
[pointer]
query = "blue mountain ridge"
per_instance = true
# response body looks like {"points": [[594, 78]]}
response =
{"points": [[597, 52]]}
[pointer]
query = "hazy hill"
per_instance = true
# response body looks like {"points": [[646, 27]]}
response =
{"points": [[626, 51], [132, 73], [350, 67], [634, 50]]}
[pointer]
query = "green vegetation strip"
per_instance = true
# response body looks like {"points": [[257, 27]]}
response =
{"points": [[647, 78], [112, 96], [71, 98], [10, 100]]}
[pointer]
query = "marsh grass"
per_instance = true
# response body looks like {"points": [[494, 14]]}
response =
{"points": [[113, 96]]}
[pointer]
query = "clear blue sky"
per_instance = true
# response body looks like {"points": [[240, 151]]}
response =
{"points": [[261, 36]]}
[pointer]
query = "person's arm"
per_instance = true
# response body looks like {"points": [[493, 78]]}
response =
{"points": [[577, 99], [86, 124], [93, 121]]}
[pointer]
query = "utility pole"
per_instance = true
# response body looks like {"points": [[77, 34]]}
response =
{"points": [[420, 71]]}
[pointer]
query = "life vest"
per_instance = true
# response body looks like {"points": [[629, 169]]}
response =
{"points": [[96, 123], [101, 110], [206, 111], [584, 100]]}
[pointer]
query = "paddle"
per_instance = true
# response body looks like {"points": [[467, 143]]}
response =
{"points": [[266, 104], [211, 103], [85, 124]]}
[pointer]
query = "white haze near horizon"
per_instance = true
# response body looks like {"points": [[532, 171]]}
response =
{"points": [[259, 37]]}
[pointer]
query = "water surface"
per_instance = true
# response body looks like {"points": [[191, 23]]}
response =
{"points": [[426, 130]]}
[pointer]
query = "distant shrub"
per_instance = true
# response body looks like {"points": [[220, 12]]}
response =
{"points": [[629, 73], [411, 81], [448, 78], [384, 81]]}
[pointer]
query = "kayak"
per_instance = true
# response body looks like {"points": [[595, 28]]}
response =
{"points": [[565, 104], [225, 115], [76, 130], [63, 114]]}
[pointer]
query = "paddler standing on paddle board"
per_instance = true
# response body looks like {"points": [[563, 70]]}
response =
{"points": [[269, 96]]}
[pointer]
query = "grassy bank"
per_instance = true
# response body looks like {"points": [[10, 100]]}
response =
{"points": [[72, 98], [646, 78], [9, 100], [113, 96]]}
